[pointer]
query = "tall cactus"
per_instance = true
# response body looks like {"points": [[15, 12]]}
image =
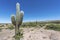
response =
{"points": [[17, 21]]}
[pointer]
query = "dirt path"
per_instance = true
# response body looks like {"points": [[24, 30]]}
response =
{"points": [[31, 34], [41, 34], [6, 34]]}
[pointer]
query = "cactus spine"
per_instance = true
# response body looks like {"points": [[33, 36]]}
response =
{"points": [[17, 21]]}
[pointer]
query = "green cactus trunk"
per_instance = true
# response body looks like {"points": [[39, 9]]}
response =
{"points": [[17, 33], [17, 21]]}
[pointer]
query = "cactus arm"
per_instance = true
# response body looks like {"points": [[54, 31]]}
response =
{"points": [[21, 17], [13, 20]]}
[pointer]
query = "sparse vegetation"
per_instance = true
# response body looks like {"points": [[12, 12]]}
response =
{"points": [[1, 25], [53, 27], [0, 29], [20, 33], [11, 27]]}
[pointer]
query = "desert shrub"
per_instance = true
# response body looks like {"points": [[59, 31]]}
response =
{"points": [[1, 25], [0, 29], [10, 27], [41, 25], [53, 27], [33, 24], [29, 24], [21, 34]]}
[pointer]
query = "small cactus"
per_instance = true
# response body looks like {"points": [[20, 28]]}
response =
{"points": [[17, 21]]}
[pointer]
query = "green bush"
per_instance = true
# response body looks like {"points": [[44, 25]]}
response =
{"points": [[0, 29], [53, 27], [21, 34], [10, 27]]}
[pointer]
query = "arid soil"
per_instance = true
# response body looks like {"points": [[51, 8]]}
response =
{"points": [[31, 34]]}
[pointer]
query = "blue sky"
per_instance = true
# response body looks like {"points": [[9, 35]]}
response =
{"points": [[33, 10]]}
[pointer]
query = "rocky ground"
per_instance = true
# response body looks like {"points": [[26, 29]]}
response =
{"points": [[31, 34]]}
